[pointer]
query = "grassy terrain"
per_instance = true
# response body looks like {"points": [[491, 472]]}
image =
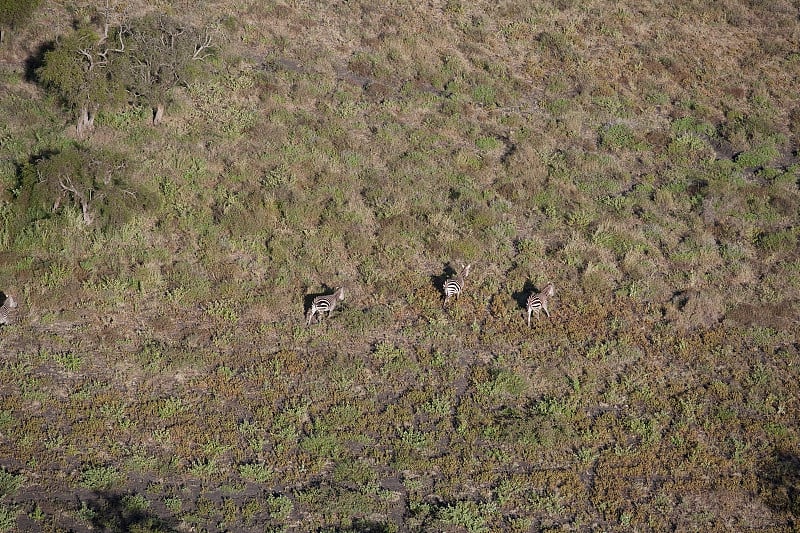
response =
{"points": [[643, 158]]}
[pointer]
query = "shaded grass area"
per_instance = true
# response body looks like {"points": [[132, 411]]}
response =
{"points": [[160, 376]]}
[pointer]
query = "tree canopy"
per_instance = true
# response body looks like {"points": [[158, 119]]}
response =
{"points": [[141, 59], [87, 71], [94, 181], [163, 52]]}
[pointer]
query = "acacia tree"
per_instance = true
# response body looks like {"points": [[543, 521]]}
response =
{"points": [[163, 53], [87, 71], [15, 13], [94, 181]]}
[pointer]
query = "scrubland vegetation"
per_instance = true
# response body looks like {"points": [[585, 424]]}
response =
{"points": [[159, 375]]}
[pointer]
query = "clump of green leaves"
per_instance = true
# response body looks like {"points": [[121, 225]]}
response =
{"points": [[8, 517], [100, 477], [9, 483], [617, 136]]}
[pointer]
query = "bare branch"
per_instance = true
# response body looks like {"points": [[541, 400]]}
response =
{"points": [[201, 51], [69, 187], [83, 202], [104, 53], [107, 21], [121, 47], [85, 52]]}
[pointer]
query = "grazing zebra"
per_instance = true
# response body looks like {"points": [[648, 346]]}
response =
{"points": [[538, 302], [324, 303], [454, 286], [5, 310]]}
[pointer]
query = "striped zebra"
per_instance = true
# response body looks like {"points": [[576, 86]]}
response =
{"points": [[5, 310], [454, 286], [321, 304], [538, 301]]}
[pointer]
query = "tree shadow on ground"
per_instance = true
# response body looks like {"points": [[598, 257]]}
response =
{"points": [[123, 513], [36, 60], [779, 480]]}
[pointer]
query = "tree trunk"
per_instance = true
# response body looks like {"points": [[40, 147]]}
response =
{"points": [[86, 121], [91, 115], [159, 114], [57, 203], [88, 217], [83, 125]]}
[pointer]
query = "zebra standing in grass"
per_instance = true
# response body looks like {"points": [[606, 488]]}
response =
{"points": [[538, 301], [5, 310], [454, 286], [320, 304]]}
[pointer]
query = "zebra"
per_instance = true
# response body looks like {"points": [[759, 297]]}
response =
{"points": [[538, 301], [320, 304], [454, 286], [5, 310]]}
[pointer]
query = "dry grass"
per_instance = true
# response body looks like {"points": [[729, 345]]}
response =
{"points": [[160, 376]]}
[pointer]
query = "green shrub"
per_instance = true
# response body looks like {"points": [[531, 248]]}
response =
{"points": [[9, 483], [778, 241], [100, 478], [8, 517], [468, 514], [757, 157], [617, 136], [484, 95], [257, 472]]}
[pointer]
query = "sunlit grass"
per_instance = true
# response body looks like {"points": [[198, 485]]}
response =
{"points": [[163, 371]]}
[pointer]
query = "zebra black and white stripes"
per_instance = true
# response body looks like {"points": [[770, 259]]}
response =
{"points": [[538, 302], [322, 304], [454, 286], [5, 310]]}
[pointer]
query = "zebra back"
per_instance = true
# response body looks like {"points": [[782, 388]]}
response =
{"points": [[454, 286], [538, 301], [328, 302], [5, 310], [324, 304]]}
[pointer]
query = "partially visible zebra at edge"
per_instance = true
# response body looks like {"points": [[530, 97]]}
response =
{"points": [[326, 303], [5, 310], [538, 302], [454, 286]]}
